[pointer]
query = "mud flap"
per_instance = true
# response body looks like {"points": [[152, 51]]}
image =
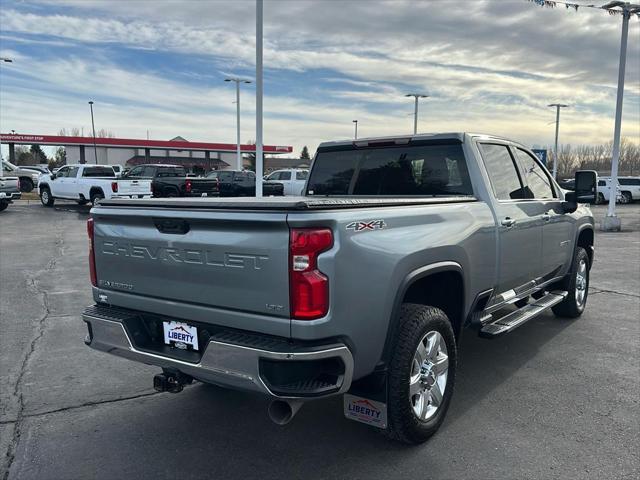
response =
{"points": [[366, 400]]}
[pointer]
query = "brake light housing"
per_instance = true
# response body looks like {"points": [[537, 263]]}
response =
{"points": [[308, 286], [92, 255], [114, 187], [187, 186]]}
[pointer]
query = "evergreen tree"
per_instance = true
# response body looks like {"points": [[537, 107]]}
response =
{"points": [[305, 153]]}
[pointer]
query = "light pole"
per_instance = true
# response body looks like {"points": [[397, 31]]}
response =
{"points": [[4, 60], [415, 111], [555, 152], [259, 160], [611, 222], [238, 81], [356, 124], [93, 126]]}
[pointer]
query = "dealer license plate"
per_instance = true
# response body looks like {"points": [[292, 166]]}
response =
{"points": [[180, 334]]}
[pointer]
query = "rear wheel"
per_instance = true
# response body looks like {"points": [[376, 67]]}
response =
{"points": [[96, 197], [46, 198], [600, 199], [576, 283], [3, 205], [421, 374], [626, 197], [26, 184]]}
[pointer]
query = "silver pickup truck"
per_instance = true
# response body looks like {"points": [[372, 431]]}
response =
{"points": [[360, 287]]}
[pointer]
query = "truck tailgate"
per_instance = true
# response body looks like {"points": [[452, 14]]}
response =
{"points": [[227, 260], [134, 187], [203, 185]]}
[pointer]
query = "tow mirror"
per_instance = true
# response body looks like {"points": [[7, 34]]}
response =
{"points": [[586, 182]]}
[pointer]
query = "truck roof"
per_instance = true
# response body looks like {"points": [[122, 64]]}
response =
{"points": [[459, 136]]}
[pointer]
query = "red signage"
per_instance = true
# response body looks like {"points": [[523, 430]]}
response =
{"points": [[136, 143]]}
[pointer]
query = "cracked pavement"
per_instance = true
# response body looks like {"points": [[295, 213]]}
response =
{"points": [[553, 399]]}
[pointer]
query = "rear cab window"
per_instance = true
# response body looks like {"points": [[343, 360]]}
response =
{"points": [[97, 172], [171, 172], [420, 169]]}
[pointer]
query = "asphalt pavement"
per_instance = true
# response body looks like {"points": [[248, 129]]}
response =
{"points": [[554, 399]]}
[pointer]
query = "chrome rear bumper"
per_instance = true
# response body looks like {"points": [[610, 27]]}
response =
{"points": [[223, 361]]}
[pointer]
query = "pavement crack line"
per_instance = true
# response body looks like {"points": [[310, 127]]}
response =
{"points": [[626, 294], [32, 285]]}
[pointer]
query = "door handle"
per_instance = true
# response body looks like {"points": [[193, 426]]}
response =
{"points": [[508, 222], [546, 217]]}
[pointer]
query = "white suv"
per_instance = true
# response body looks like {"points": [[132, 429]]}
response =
{"points": [[292, 179], [630, 188]]}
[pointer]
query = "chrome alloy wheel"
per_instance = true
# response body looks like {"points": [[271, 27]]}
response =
{"points": [[428, 378], [45, 195], [581, 283]]}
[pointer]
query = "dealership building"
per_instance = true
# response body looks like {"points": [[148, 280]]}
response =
{"points": [[128, 152]]}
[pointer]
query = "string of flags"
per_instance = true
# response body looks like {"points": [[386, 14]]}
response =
{"points": [[575, 6]]}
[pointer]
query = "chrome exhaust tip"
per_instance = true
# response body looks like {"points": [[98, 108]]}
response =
{"points": [[282, 412]]}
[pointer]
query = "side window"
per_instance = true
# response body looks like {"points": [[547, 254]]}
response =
{"points": [[537, 181], [285, 175], [72, 172], [302, 175], [274, 176], [148, 172], [135, 172], [602, 183], [628, 181], [502, 172], [63, 172]]}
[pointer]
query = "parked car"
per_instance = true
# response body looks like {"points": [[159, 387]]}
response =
{"points": [[242, 183], [89, 183], [28, 178], [604, 188], [629, 188], [9, 191], [292, 179], [361, 287], [172, 181]]}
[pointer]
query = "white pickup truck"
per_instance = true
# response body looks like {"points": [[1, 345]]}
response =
{"points": [[89, 183], [292, 179]]}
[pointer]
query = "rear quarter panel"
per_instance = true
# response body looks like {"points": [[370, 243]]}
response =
{"points": [[366, 269]]}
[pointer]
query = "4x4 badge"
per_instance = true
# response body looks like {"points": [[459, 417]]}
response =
{"points": [[370, 225]]}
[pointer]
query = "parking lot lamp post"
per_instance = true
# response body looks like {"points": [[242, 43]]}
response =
{"points": [[356, 124], [238, 81], [555, 151], [611, 222], [93, 126], [415, 110], [259, 159], [4, 60]]}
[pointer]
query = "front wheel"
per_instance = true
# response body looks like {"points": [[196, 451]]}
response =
{"points": [[626, 197], [46, 198], [421, 374], [3, 206], [576, 283]]}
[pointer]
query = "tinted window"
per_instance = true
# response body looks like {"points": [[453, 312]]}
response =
{"points": [[97, 172], [171, 172], [135, 172], [302, 175], [602, 183], [502, 172], [285, 175], [63, 172], [212, 174], [420, 170], [72, 172], [628, 181], [225, 176], [534, 176]]}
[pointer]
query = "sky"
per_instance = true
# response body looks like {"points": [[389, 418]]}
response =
{"points": [[489, 66]]}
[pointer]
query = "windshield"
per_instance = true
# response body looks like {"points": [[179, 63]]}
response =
{"points": [[406, 170], [8, 166]]}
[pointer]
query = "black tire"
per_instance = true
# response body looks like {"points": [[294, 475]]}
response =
{"points": [[3, 206], [626, 197], [600, 198], [572, 307], [26, 184], [46, 198], [416, 321], [96, 197]]}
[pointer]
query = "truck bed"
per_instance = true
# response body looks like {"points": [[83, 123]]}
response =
{"points": [[283, 203]]}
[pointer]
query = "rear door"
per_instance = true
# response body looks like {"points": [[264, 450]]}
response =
{"points": [[557, 226], [519, 222], [220, 259]]}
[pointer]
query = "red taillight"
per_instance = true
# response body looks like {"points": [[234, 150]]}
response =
{"points": [[114, 187], [187, 186], [309, 287], [92, 255]]}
